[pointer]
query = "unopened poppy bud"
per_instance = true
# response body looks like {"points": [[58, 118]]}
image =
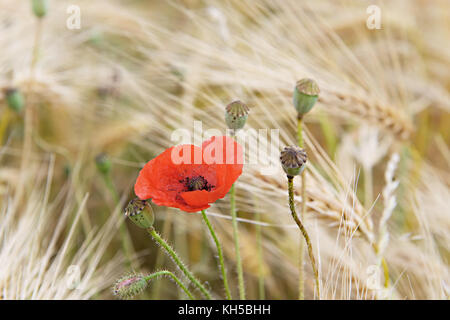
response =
{"points": [[306, 93], [40, 8], [129, 286], [293, 160], [103, 163], [140, 212], [15, 99], [236, 114]]}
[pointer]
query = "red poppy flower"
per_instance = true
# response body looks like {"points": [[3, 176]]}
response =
{"points": [[190, 177]]}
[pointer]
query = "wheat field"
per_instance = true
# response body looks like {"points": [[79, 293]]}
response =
{"points": [[378, 143]]}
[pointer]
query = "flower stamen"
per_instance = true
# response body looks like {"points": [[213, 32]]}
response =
{"points": [[196, 183]]}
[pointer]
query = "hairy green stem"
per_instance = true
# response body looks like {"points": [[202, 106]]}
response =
{"points": [[236, 243], [303, 231], [171, 252], [220, 254], [261, 290], [300, 131], [160, 255], [174, 277], [237, 249], [301, 271]]}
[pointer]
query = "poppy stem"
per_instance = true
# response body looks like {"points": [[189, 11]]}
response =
{"points": [[303, 230], [220, 254], [155, 235], [236, 240], [236, 243], [300, 131], [301, 273], [160, 256], [259, 236], [174, 278]]}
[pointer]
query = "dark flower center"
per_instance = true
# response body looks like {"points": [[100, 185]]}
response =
{"points": [[196, 183]]}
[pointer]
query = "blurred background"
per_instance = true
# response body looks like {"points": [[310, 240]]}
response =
{"points": [[83, 109]]}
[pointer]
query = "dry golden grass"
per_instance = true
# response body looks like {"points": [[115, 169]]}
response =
{"points": [[136, 71]]}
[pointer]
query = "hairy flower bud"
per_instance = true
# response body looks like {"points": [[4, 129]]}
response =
{"points": [[293, 160], [130, 285], [15, 99], [306, 93], [140, 212], [40, 8], [236, 114]]}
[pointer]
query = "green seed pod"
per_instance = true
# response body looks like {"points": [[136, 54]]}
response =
{"points": [[15, 99], [129, 286], [306, 93], [236, 114], [140, 212], [103, 163], [40, 8], [293, 160]]}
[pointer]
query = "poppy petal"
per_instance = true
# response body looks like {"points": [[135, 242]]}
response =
{"points": [[163, 179]]}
